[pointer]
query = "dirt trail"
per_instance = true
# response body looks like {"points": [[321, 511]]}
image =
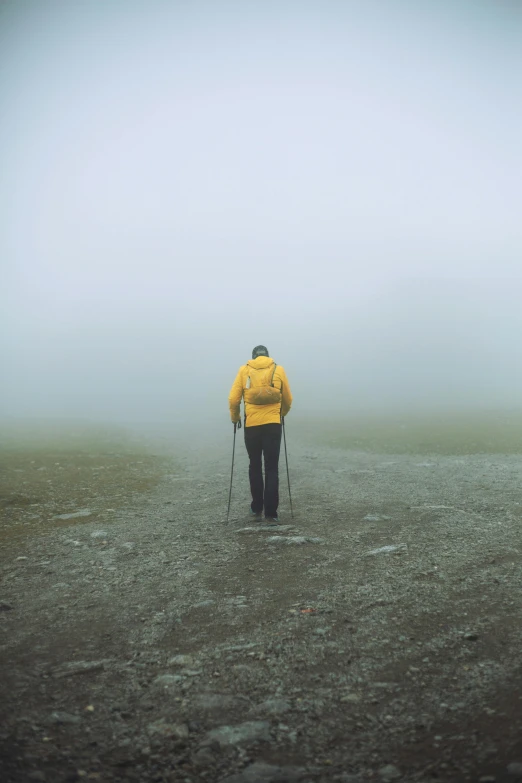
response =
{"points": [[376, 636]]}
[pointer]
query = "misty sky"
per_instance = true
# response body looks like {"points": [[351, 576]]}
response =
{"points": [[340, 181]]}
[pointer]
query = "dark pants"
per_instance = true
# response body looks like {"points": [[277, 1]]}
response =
{"points": [[264, 439]]}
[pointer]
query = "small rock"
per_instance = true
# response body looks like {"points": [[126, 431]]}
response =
{"points": [[351, 698], [166, 681], [471, 637], [82, 512], [291, 540], [18, 559], [215, 701], [265, 528], [203, 758], [37, 775], [389, 772], [487, 779], [515, 769], [181, 660], [63, 718], [389, 548], [79, 667], [4, 607], [99, 534], [178, 730], [241, 734], [258, 772], [273, 707]]}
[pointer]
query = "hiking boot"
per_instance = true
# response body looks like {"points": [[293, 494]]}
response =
{"points": [[272, 521], [256, 514]]}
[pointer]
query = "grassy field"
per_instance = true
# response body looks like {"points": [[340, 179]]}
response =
{"points": [[49, 471], [448, 433]]}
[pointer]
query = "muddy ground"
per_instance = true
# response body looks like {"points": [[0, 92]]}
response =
{"points": [[374, 637]]}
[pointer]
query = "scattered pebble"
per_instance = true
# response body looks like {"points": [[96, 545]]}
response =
{"points": [[389, 548], [82, 512], [166, 681], [241, 734], [273, 707], [63, 718], [389, 772], [178, 730], [181, 660], [79, 667], [294, 540], [259, 772]]}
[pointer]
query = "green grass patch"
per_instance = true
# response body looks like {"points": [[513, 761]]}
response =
{"points": [[407, 433], [48, 469]]}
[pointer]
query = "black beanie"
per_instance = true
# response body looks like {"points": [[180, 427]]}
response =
{"points": [[259, 350]]}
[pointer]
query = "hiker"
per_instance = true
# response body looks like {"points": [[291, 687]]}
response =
{"points": [[264, 386]]}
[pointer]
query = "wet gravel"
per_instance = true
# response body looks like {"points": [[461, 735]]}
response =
{"points": [[374, 636]]}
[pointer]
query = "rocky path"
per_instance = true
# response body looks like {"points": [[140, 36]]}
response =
{"points": [[376, 636]]}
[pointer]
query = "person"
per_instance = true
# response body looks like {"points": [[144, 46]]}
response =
{"points": [[267, 399]]}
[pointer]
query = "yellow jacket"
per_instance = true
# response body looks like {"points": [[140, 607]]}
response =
{"points": [[260, 414]]}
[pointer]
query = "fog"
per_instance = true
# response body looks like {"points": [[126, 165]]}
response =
{"points": [[182, 181]]}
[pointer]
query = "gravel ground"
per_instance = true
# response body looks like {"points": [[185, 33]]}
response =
{"points": [[375, 636]]}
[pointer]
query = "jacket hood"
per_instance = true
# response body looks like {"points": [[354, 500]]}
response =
{"points": [[261, 363]]}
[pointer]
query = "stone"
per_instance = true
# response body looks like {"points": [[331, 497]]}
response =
{"points": [[294, 540], [181, 660], [265, 528], [178, 730], [215, 701], [388, 548], [82, 512], [273, 707], [350, 698], [58, 718], [37, 775], [166, 681], [99, 534], [259, 772], [79, 667], [515, 769], [203, 758], [389, 772], [240, 734]]}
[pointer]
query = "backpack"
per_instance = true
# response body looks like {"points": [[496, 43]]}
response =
{"points": [[260, 389]]}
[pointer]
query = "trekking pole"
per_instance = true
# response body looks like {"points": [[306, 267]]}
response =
{"points": [[287, 470], [232, 471]]}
